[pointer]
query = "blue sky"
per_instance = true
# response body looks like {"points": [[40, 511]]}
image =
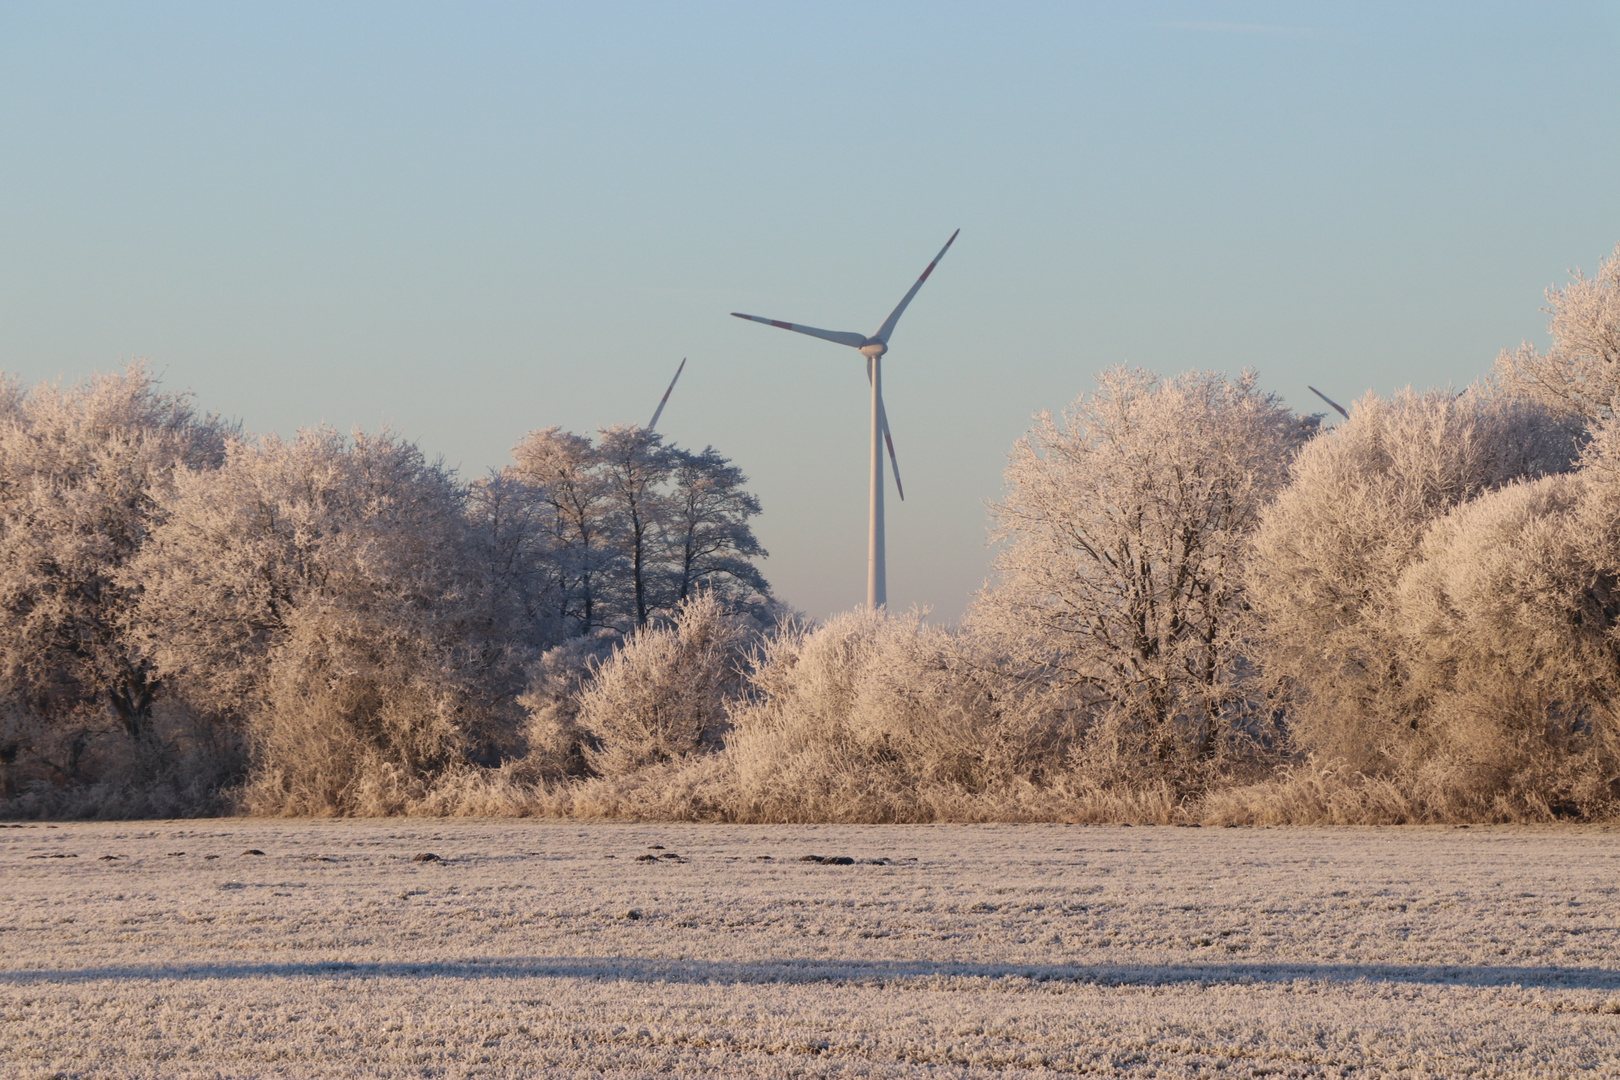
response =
{"points": [[469, 221]]}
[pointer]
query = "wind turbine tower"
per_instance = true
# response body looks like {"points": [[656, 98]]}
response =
{"points": [[873, 348]]}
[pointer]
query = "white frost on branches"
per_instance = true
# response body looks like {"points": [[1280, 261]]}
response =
{"points": [[1332, 547], [1580, 373], [1125, 526]]}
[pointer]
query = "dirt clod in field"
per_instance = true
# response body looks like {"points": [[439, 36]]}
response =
{"points": [[426, 856], [253, 851]]}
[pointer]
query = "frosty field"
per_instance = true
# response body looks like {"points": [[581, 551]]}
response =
{"points": [[161, 949]]}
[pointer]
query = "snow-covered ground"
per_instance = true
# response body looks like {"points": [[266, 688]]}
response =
{"points": [[162, 950]]}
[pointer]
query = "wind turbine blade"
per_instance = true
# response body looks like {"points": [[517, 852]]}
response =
{"points": [[842, 337], [894, 316], [883, 421], [665, 399], [883, 414], [1339, 408]]}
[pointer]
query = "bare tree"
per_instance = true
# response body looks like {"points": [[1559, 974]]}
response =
{"points": [[514, 542], [635, 527]]}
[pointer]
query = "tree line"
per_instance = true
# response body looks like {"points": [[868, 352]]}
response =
{"points": [[1204, 607], [183, 605]]}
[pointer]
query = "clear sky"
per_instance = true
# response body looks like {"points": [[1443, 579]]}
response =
{"points": [[472, 220]]}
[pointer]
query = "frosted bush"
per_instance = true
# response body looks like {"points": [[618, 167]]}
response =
{"points": [[1331, 548], [555, 742], [663, 695], [873, 717], [1510, 659]]}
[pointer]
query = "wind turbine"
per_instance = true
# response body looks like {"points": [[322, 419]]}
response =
{"points": [[665, 399], [1342, 411], [873, 349]]}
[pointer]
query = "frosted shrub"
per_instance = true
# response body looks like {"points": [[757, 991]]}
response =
{"points": [[1125, 525], [873, 717], [663, 695], [556, 743], [1511, 658], [359, 716], [1332, 547]]}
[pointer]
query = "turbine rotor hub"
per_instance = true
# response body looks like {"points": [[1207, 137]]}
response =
{"points": [[874, 349]]}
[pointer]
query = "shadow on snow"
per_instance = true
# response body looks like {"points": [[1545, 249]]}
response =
{"points": [[879, 973]]}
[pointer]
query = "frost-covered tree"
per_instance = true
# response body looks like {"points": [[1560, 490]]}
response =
{"points": [[1125, 525], [562, 469], [1332, 547], [84, 471], [327, 592], [635, 465], [709, 543], [1580, 373], [1510, 657], [634, 527]]}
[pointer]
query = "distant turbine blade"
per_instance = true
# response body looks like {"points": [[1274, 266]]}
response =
{"points": [[883, 419], [665, 399], [883, 414], [1340, 408], [842, 337], [888, 324]]}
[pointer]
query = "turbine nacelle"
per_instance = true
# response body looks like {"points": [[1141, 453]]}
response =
{"points": [[873, 348]]}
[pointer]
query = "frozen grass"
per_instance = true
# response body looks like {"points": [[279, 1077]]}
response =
{"points": [[1021, 950]]}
